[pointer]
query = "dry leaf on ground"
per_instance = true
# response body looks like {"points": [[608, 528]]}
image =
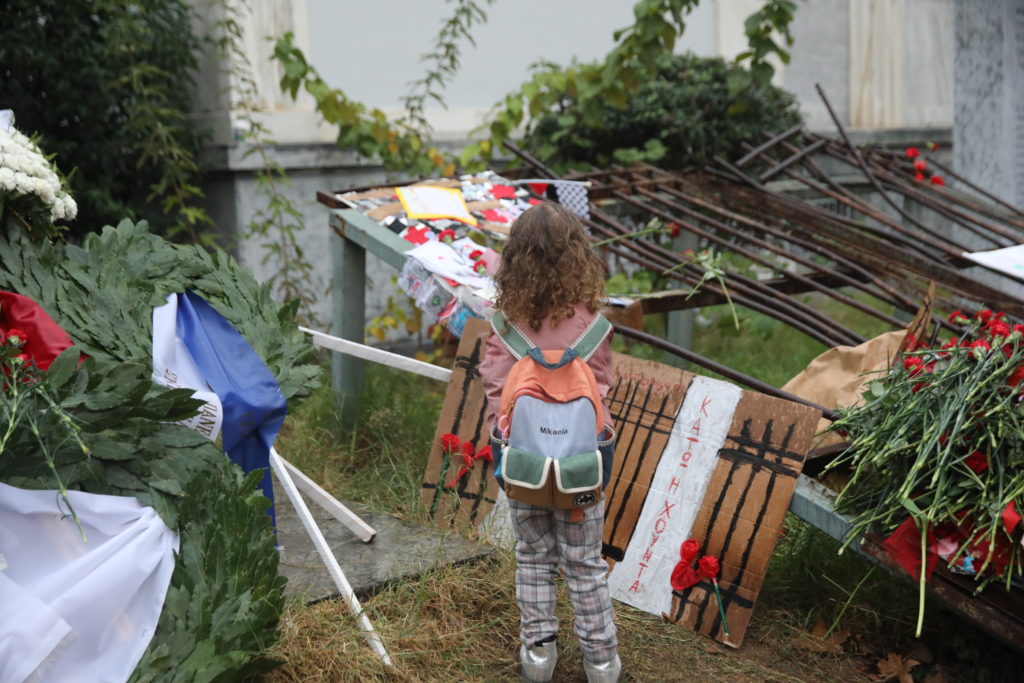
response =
{"points": [[895, 667]]}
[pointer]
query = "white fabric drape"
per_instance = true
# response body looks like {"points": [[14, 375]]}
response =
{"points": [[174, 367], [73, 610]]}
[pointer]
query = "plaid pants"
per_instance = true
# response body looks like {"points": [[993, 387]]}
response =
{"points": [[548, 539]]}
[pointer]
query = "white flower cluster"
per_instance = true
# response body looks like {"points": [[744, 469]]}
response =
{"points": [[25, 171]]}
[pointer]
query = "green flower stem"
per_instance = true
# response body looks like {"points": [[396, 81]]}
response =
{"points": [[629, 236]]}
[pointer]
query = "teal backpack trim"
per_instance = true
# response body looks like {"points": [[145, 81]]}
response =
{"points": [[519, 345]]}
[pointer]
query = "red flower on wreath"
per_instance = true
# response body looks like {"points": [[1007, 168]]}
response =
{"points": [[16, 337]]}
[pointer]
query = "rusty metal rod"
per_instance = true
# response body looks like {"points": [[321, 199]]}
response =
{"points": [[790, 160], [724, 371], [888, 294], [850, 199], [863, 165], [827, 325], [781, 136], [767, 246], [907, 189]]}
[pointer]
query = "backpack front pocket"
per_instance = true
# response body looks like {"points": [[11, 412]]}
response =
{"points": [[525, 468], [578, 473]]}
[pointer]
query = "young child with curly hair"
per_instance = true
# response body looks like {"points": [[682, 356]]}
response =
{"points": [[550, 285]]}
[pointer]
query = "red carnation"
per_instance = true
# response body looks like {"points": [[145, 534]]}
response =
{"points": [[450, 443], [936, 179], [977, 461], [913, 152], [1016, 376], [485, 453], [980, 344], [21, 357], [468, 450], [919, 165], [984, 315], [683, 576], [957, 317], [16, 337], [688, 551], [480, 267], [447, 236], [919, 177], [708, 567], [913, 365], [672, 229], [475, 254], [997, 328]]}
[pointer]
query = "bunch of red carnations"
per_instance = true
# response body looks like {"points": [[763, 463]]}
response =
{"points": [[936, 453]]}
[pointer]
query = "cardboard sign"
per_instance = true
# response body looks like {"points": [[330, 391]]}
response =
{"points": [[463, 413], [694, 458]]}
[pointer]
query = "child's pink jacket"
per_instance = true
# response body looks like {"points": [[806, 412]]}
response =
{"points": [[498, 361]]}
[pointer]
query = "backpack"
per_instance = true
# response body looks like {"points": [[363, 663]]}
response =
{"points": [[555, 448]]}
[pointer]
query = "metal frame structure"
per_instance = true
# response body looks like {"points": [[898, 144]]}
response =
{"points": [[770, 207]]}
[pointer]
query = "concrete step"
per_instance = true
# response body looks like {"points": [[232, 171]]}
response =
{"points": [[401, 550]]}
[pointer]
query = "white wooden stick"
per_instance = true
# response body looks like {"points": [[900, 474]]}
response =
{"points": [[333, 568], [392, 360], [331, 504]]}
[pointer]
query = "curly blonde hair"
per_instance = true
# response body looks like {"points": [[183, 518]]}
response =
{"points": [[547, 267]]}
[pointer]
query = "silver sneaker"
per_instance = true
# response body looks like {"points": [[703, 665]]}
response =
{"points": [[606, 672], [537, 662]]}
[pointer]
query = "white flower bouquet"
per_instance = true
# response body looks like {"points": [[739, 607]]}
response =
{"points": [[30, 186]]}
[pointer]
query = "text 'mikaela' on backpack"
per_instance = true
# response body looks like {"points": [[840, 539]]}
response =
{"points": [[556, 450]]}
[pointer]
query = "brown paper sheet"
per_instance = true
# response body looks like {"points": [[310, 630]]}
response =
{"points": [[837, 378]]}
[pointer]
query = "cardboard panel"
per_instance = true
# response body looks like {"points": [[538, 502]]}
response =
{"points": [[643, 402], [462, 413], [743, 509]]}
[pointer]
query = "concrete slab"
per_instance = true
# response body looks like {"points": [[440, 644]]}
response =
{"points": [[401, 550]]}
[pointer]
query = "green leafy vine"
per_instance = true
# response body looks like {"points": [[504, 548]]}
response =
{"points": [[278, 223]]}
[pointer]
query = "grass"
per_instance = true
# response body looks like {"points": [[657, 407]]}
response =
{"points": [[460, 623]]}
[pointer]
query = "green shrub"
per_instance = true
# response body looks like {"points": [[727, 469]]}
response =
{"points": [[682, 118], [106, 85]]}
